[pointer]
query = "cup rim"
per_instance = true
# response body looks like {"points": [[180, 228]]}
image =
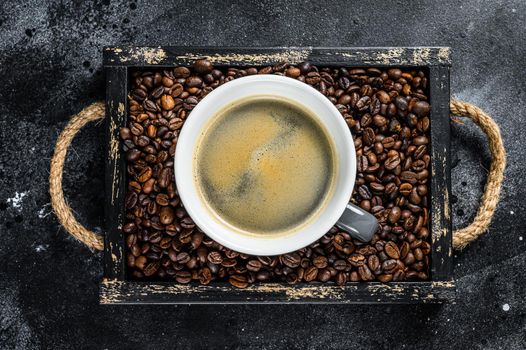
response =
{"points": [[233, 91]]}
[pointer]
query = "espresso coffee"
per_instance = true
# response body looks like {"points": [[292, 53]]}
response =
{"points": [[265, 165]]}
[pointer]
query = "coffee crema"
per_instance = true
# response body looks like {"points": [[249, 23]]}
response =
{"points": [[265, 165]]}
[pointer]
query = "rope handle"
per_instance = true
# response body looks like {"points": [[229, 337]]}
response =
{"points": [[461, 238], [490, 197], [62, 210]]}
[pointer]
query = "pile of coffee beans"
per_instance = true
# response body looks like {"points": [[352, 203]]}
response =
{"points": [[387, 111]]}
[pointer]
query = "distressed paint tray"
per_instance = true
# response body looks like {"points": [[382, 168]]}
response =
{"points": [[116, 288]]}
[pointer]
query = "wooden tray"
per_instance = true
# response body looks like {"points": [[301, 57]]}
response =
{"points": [[116, 288]]}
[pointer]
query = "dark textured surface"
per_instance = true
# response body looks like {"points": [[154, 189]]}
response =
{"points": [[50, 66]]}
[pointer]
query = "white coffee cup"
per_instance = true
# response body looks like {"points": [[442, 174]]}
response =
{"points": [[337, 210]]}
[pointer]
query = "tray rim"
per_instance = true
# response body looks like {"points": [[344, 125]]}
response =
{"points": [[115, 288], [147, 56]]}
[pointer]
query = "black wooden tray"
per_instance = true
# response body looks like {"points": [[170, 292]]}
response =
{"points": [[116, 288]]}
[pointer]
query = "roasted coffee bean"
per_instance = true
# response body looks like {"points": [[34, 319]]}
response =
{"points": [[136, 129], [140, 262], [320, 262], [409, 223], [165, 177], [383, 97], [404, 250], [167, 103], [130, 200], [151, 268], [340, 265], [418, 254], [391, 249], [394, 215], [265, 260], [366, 250], [312, 78], [291, 260], [364, 192], [369, 136], [215, 258], [203, 66], [363, 163], [311, 273], [181, 72], [193, 81], [398, 275], [394, 73], [377, 187], [148, 186], [324, 275], [125, 133], [409, 177], [401, 103], [420, 152], [379, 121], [363, 103], [145, 174], [229, 262], [341, 278], [133, 155], [305, 67], [384, 278], [406, 189], [187, 222], [132, 238], [356, 259], [421, 108], [238, 281], [354, 276], [374, 263], [162, 199], [365, 273], [166, 215], [205, 275], [392, 162], [183, 276], [197, 239], [254, 265], [293, 72], [425, 247], [263, 275], [389, 265], [388, 142], [139, 94]]}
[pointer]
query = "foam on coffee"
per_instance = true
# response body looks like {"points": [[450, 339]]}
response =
{"points": [[264, 165]]}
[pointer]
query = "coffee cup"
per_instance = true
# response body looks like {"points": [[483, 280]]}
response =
{"points": [[334, 207]]}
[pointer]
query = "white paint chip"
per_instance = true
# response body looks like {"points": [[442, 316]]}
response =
{"points": [[506, 307], [42, 213], [520, 238], [16, 201], [512, 212], [41, 248]]}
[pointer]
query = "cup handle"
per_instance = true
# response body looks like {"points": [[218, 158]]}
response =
{"points": [[358, 223]]}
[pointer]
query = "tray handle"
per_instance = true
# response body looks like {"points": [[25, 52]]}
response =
{"points": [[461, 238], [490, 197], [61, 208]]}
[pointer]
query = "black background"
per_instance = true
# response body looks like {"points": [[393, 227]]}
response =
{"points": [[50, 68]]}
